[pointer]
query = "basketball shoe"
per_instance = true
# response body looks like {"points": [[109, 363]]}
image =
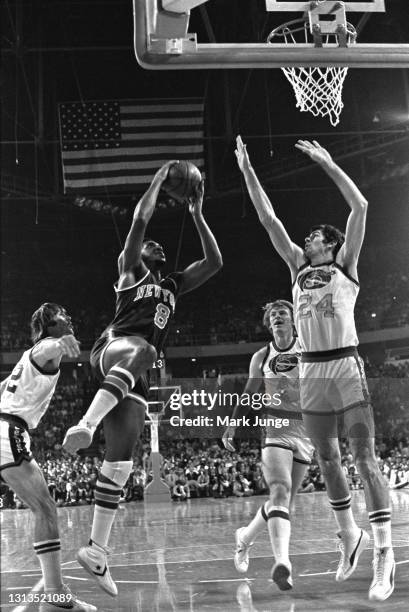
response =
{"points": [[68, 601], [93, 559], [281, 575], [383, 581], [351, 548], [241, 555], [78, 436]]}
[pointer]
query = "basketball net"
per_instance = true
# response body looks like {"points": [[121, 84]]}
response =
{"points": [[317, 89]]}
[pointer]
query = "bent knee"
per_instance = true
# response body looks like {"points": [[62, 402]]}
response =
{"points": [[279, 490]]}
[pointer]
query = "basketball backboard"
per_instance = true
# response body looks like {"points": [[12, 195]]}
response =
{"points": [[162, 41]]}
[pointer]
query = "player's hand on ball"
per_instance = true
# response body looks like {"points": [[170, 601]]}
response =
{"points": [[162, 173], [69, 346], [315, 151], [196, 202], [242, 156], [228, 438]]}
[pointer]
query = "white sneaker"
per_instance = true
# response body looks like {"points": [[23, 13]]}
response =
{"points": [[78, 436], [67, 601], [351, 549], [281, 575], [241, 554], [383, 574], [94, 560]]}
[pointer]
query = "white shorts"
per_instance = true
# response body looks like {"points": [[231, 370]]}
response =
{"points": [[333, 386], [14, 442], [301, 448]]}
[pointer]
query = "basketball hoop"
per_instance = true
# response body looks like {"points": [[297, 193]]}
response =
{"points": [[317, 89]]}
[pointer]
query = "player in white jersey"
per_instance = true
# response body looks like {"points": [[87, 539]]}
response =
{"points": [[286, 451], [324, 274], [25, 396]]}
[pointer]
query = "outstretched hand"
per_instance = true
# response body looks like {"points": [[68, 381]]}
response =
{"points": [[315, 151], [196, 201], [69, 345], [242, 156]]}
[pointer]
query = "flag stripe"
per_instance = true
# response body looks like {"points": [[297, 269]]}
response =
{"points": [[113, 144], [164, 108], [163, 136], [125, 168], [143, 162], [157, 123], [134, 152], [103, 182]]}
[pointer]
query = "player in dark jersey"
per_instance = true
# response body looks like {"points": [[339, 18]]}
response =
{"points": [[121, 357]]}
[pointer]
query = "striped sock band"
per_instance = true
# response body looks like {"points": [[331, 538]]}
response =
{"points": [[118, 381], [46, 546], [380, 516], [264, 511], [107, 493], [278, 511], [340, 504], [381, 527]]}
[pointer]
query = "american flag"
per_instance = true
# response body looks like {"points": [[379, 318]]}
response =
{"points": [[110, 146]]}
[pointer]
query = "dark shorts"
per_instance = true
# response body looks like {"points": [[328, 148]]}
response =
{"points": [[141, 389], [14, 441]]}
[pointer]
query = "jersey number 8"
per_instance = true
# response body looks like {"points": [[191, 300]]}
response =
{"points": [[161, 315]]}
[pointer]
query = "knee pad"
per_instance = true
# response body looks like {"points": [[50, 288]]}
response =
{"points": [[117, 471]]}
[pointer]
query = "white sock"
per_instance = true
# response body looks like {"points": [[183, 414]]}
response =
{"points": [[249, 533], [116, 386], [381, 527], [49, 556], [279, 529], [107, 495], [343, 515], [102, 403]]}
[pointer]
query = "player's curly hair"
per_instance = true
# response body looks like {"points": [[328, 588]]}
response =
{"points": [[276, 304], [42, 318], [331, 234]]}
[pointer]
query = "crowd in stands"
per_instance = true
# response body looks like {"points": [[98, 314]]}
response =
{"points": [[200, 469]]}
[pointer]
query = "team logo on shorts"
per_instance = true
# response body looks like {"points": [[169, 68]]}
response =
{"points": [[315, 279], [283, 362]]}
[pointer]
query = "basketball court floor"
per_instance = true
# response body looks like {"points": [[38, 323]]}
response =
{"points": [[178, 557]]}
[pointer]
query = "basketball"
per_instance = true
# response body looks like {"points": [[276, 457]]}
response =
{"points": [[182, 180]]}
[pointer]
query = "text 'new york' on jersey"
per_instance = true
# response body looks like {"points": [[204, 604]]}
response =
{"points": [[146, 308]]}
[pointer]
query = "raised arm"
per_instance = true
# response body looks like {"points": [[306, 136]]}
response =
{"points": [[355, 230], [53, 349], [291, 253], [200, 271], [130, 261], [253, 385]]}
